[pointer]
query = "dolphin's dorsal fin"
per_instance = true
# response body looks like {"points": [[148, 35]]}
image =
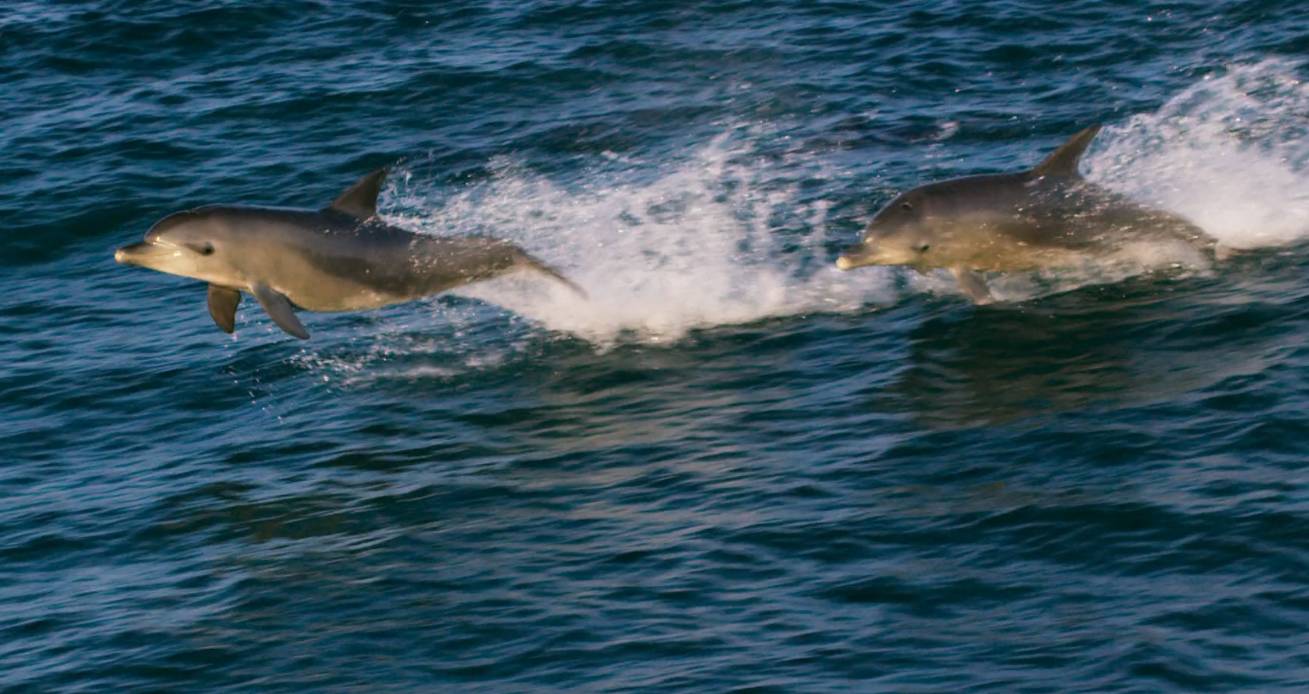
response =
{"points": [[1064, 160], [360, 200]]}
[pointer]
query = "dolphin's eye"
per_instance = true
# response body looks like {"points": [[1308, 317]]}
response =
{"points": [[202, 248], [925, 248], [906, 206]]}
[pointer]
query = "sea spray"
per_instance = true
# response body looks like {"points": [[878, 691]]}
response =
{"points": [[1231, 153], [697, 245]]}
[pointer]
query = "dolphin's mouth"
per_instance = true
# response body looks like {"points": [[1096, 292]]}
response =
{"points": [[855, 256]]}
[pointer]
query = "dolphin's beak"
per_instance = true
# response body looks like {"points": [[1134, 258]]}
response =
{"points": [[855, 256], [145, 254], [125, 254]]}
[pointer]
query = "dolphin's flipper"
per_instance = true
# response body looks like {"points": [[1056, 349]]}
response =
{"points": [[1065, 159], [972, 284], [532, 263], [280, 310], [360, 200], [222, 307]]}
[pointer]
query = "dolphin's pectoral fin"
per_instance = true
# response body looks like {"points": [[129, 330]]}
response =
{"points": [[972, 285], [1065, 159], [360, 200], [279, 309], [222, 307]]}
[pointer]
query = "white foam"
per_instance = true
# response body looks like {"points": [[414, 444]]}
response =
{"points": [[1231, 153], [696, 245]]}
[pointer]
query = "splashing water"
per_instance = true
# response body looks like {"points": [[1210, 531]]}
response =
{"points": [[701, 245], [1231, 153]]}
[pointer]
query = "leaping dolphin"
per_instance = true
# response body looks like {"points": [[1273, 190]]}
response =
{"points": [[1046, 217], [340, 258]]}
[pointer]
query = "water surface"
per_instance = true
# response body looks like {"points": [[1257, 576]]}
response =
{"points": [[736, 467]]}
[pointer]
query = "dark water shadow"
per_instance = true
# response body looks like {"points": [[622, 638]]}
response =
{"points": [[1141, 341]]}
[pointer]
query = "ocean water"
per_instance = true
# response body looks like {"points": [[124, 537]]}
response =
{"points": [[734, 468]]}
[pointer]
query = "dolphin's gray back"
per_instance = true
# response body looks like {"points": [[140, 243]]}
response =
{"points": [[1053, 211]]}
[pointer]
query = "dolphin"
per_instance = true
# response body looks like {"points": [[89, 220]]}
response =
{"points": [[340, 258], [1046, 217]]}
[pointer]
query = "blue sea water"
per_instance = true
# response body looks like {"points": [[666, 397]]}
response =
{"points": [[734, 468]]}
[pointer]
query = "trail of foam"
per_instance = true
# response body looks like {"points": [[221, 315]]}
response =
{"points": [[1231, 153], [700, 245], [726, 237]]}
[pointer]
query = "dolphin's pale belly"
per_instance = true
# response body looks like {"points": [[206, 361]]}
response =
{"points": [[999, 253], [333, 294]]}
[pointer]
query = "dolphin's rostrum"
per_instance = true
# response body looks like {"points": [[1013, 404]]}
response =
{"points": [[340, 258], [1046, 217]]}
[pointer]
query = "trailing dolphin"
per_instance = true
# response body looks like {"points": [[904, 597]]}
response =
{"points": [[1046, 217], [340, 258]]}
